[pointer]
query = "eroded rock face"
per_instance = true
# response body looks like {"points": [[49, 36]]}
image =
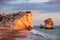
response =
{"points": [[20, 20], [49, 23], [25, 22]]}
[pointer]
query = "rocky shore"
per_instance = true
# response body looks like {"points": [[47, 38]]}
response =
{"points": [[15, 25]]}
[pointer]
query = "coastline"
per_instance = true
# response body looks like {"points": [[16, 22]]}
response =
{"points": [[37, 35], [33, 34]]}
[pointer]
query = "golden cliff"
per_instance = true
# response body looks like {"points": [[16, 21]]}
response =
{"points": [[49, 23], [17, 21]]}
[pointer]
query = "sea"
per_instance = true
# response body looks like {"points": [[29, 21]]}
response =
{"points": [[55, 31], [54, 34], [42, 34]]}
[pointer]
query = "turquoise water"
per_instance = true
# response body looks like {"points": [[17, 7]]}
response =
{"points": [[55, 31]]}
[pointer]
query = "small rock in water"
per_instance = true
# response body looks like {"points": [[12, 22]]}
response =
{"points": [[49, 23]]}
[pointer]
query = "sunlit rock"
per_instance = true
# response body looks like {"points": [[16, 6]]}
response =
{"points": [[19, 20], [49, 23]]}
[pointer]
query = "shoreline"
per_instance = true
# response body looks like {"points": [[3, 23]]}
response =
{"points": [[25, 35]]}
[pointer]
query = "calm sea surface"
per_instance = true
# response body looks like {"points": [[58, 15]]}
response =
{"points": [[55, 31]]}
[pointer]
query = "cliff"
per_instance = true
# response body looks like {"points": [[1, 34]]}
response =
{"points": [[19, 20], [49, 23]]}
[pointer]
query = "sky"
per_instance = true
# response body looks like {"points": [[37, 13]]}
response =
{"points": [[41, 9]]}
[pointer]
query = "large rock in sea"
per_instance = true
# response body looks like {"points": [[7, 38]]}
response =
{"points": [[17, 21], [49, 23]]}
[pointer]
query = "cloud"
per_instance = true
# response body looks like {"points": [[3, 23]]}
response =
{"points": [[41, 10], [7, 9], [16, 5], [21, 1], [2, 2], [27, 1], [54, 2], [31, 6]]}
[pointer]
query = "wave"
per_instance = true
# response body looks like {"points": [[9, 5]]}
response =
{"points": [[37, 35], [44, 36]]}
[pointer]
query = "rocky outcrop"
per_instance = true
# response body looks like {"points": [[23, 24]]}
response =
{"points": [[49, 23], [19, 20], [2, 13], [42, 26]]}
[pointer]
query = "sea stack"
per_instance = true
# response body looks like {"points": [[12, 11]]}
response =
{"points": [[42, 26], [17, 21], [49, 23]]}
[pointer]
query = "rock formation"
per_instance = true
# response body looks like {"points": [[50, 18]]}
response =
{"points": [[2, 13], [42, 26], [49, 24], [20, 20]]}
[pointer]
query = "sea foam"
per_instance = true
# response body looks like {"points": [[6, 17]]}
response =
{"points": [[37, 35], [44, 35]]}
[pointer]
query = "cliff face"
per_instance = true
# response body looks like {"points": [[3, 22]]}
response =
{"points": [[20, 20], [25, 22], [49, 24]]}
